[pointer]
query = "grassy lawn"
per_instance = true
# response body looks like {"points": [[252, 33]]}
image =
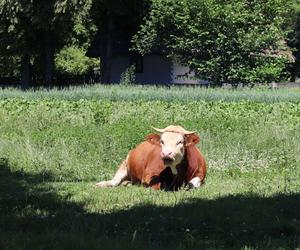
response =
{"points": [[54, 145]]}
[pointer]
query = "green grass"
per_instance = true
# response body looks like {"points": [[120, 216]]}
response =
{"points": [[150, 93], [55, 145]]}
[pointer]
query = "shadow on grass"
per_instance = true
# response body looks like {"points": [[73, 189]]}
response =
{"points": [[32, 216]]}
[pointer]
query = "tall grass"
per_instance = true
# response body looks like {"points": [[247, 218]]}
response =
{"points": [[152, 93], [87, 139]]}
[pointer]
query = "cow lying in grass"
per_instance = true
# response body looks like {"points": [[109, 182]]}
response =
{"points": [[168, 160]]}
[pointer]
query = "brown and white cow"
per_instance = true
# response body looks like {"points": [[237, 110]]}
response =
{"points": [[168, 160]]}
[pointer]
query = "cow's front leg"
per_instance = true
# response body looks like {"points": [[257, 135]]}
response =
{"points": [[194, 183], [152, 180], [120, 176]]}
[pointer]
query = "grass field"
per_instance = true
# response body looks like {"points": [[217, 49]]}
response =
{"points": [[54, 145]]}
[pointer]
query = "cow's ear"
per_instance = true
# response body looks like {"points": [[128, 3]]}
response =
{"points": [[153, 138], [192, 139]]}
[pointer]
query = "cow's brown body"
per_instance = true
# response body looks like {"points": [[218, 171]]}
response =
{"points": [[146, 167], [167, 161]]}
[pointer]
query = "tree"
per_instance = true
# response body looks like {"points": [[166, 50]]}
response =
{"points": [[293, 22], [112, 17], [71, 58], [13, 36], [37, 29], [232, 41]]}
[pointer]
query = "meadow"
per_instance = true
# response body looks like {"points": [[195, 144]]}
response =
{"points": [[55, 144]]}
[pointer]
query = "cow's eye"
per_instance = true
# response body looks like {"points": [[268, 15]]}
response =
{"points": [[179, 142], [162, 142]]}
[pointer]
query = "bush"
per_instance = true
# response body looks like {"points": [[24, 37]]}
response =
{"points": [[128, 76], [72, 60]]}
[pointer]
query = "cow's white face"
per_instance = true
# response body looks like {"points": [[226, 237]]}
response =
{"points": [[172, 149], [173, 141]]}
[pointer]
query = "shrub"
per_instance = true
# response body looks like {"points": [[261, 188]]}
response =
{"points": [[72, 60], [128, 76]]}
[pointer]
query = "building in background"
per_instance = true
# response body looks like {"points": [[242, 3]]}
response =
{"points": [[154, 68]]}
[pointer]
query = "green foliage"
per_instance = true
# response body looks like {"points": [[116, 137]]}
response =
{"points": [[26, 22], [9, 65], [39, 29], [72, 60], [128, 76], [294, 37], [223, 41], [125, 14]]}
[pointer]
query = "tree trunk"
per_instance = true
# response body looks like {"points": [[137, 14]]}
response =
{"points": [[25, 72], [48, 59], [107, 53]]}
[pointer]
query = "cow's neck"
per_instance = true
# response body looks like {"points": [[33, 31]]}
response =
{"points": [[174, 168]]}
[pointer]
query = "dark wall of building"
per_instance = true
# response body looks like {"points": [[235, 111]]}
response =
{"points": [[156, 69]]}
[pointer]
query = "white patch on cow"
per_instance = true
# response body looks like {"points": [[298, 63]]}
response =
{"points": [[172, 146], [120, 176], [195, 182], [174, 170], [103, 184]]}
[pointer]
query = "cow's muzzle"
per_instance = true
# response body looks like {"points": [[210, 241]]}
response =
{"points": [[167, 161]]}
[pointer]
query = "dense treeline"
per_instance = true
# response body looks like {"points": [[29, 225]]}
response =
{"points": [[223, 41]]}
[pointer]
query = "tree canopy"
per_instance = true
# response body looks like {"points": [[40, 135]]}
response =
{"points": [[232, 41], [35, 30], [224, 41]]}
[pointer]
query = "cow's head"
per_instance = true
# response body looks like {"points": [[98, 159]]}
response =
{"points": [[173, 141]]}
